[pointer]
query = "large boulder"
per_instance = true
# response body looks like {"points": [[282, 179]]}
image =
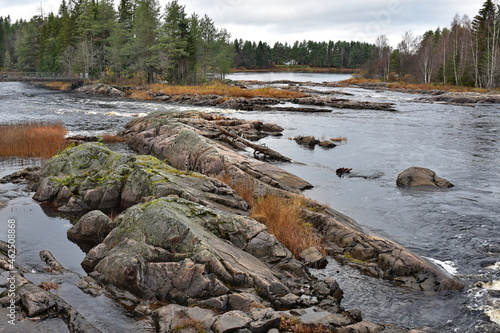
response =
{"points": [[416, 177]]}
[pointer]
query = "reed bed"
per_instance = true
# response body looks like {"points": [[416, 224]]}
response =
{"points": [[226, 90], [58, 85], [32, 139]]}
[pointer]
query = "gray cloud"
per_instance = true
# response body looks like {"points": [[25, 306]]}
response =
{"points": [[290, 20]]}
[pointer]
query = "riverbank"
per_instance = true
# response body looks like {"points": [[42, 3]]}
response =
{"points": [[448, 93], [300, 69]]}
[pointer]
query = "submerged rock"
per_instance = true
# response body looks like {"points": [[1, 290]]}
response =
{"points": [[416, 177]]}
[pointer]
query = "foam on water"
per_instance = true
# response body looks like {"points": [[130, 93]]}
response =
{"points": [[448, 266]]}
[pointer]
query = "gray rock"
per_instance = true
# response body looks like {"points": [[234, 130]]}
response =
{"points": [[327, 144], [174, 318], [310, 141], [172, 249], [188, 141], [91, 227], [313, 258], [231, 322], [416, 177], [35, 300], [264, 320]]}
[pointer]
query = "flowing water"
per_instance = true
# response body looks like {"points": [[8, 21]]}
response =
{"points": [[457, 229]]}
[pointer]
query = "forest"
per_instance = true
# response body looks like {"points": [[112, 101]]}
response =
{"points": [[140, 40]]}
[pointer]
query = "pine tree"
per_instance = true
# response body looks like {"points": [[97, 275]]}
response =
{"points": [[486, 34], [145, 32]]}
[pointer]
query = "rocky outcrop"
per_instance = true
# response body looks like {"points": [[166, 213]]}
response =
{"points": [[91, 176], [92, 227], [171, 249], [100, 89], [377, 256], [310, 141], [171, 137], [266, 103], [343, 103], [462, 98], [194, 141], [422, 178]]}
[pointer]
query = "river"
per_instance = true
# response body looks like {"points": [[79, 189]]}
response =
{"points": [[457, 228]]}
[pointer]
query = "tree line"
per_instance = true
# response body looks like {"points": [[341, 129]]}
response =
{"points": [[90, 36], [467, 53], [139, 39], [339, 54]]}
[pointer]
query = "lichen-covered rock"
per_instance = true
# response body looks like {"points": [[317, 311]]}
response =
{"points": [[416, 177], [176, 250], [91, 176]]}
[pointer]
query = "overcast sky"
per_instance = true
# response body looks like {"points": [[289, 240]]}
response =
{"points": [[291, 20]]}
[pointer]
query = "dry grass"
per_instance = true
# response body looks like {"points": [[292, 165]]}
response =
{"points": [[245, 189], [358, 80], [48, 286], [403, 84], [33, 139], [143, 95], [191, 325], [295, 326], [57, 85], [110, 138], [283, 218], [225, 90]]}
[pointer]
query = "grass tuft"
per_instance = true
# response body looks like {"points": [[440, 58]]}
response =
{"points": [[283, 218], [57, 85], [32, 139], [110, 138], [245, 189]]}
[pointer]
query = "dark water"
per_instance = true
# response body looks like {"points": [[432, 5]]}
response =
{"points": [[458, 228]]}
